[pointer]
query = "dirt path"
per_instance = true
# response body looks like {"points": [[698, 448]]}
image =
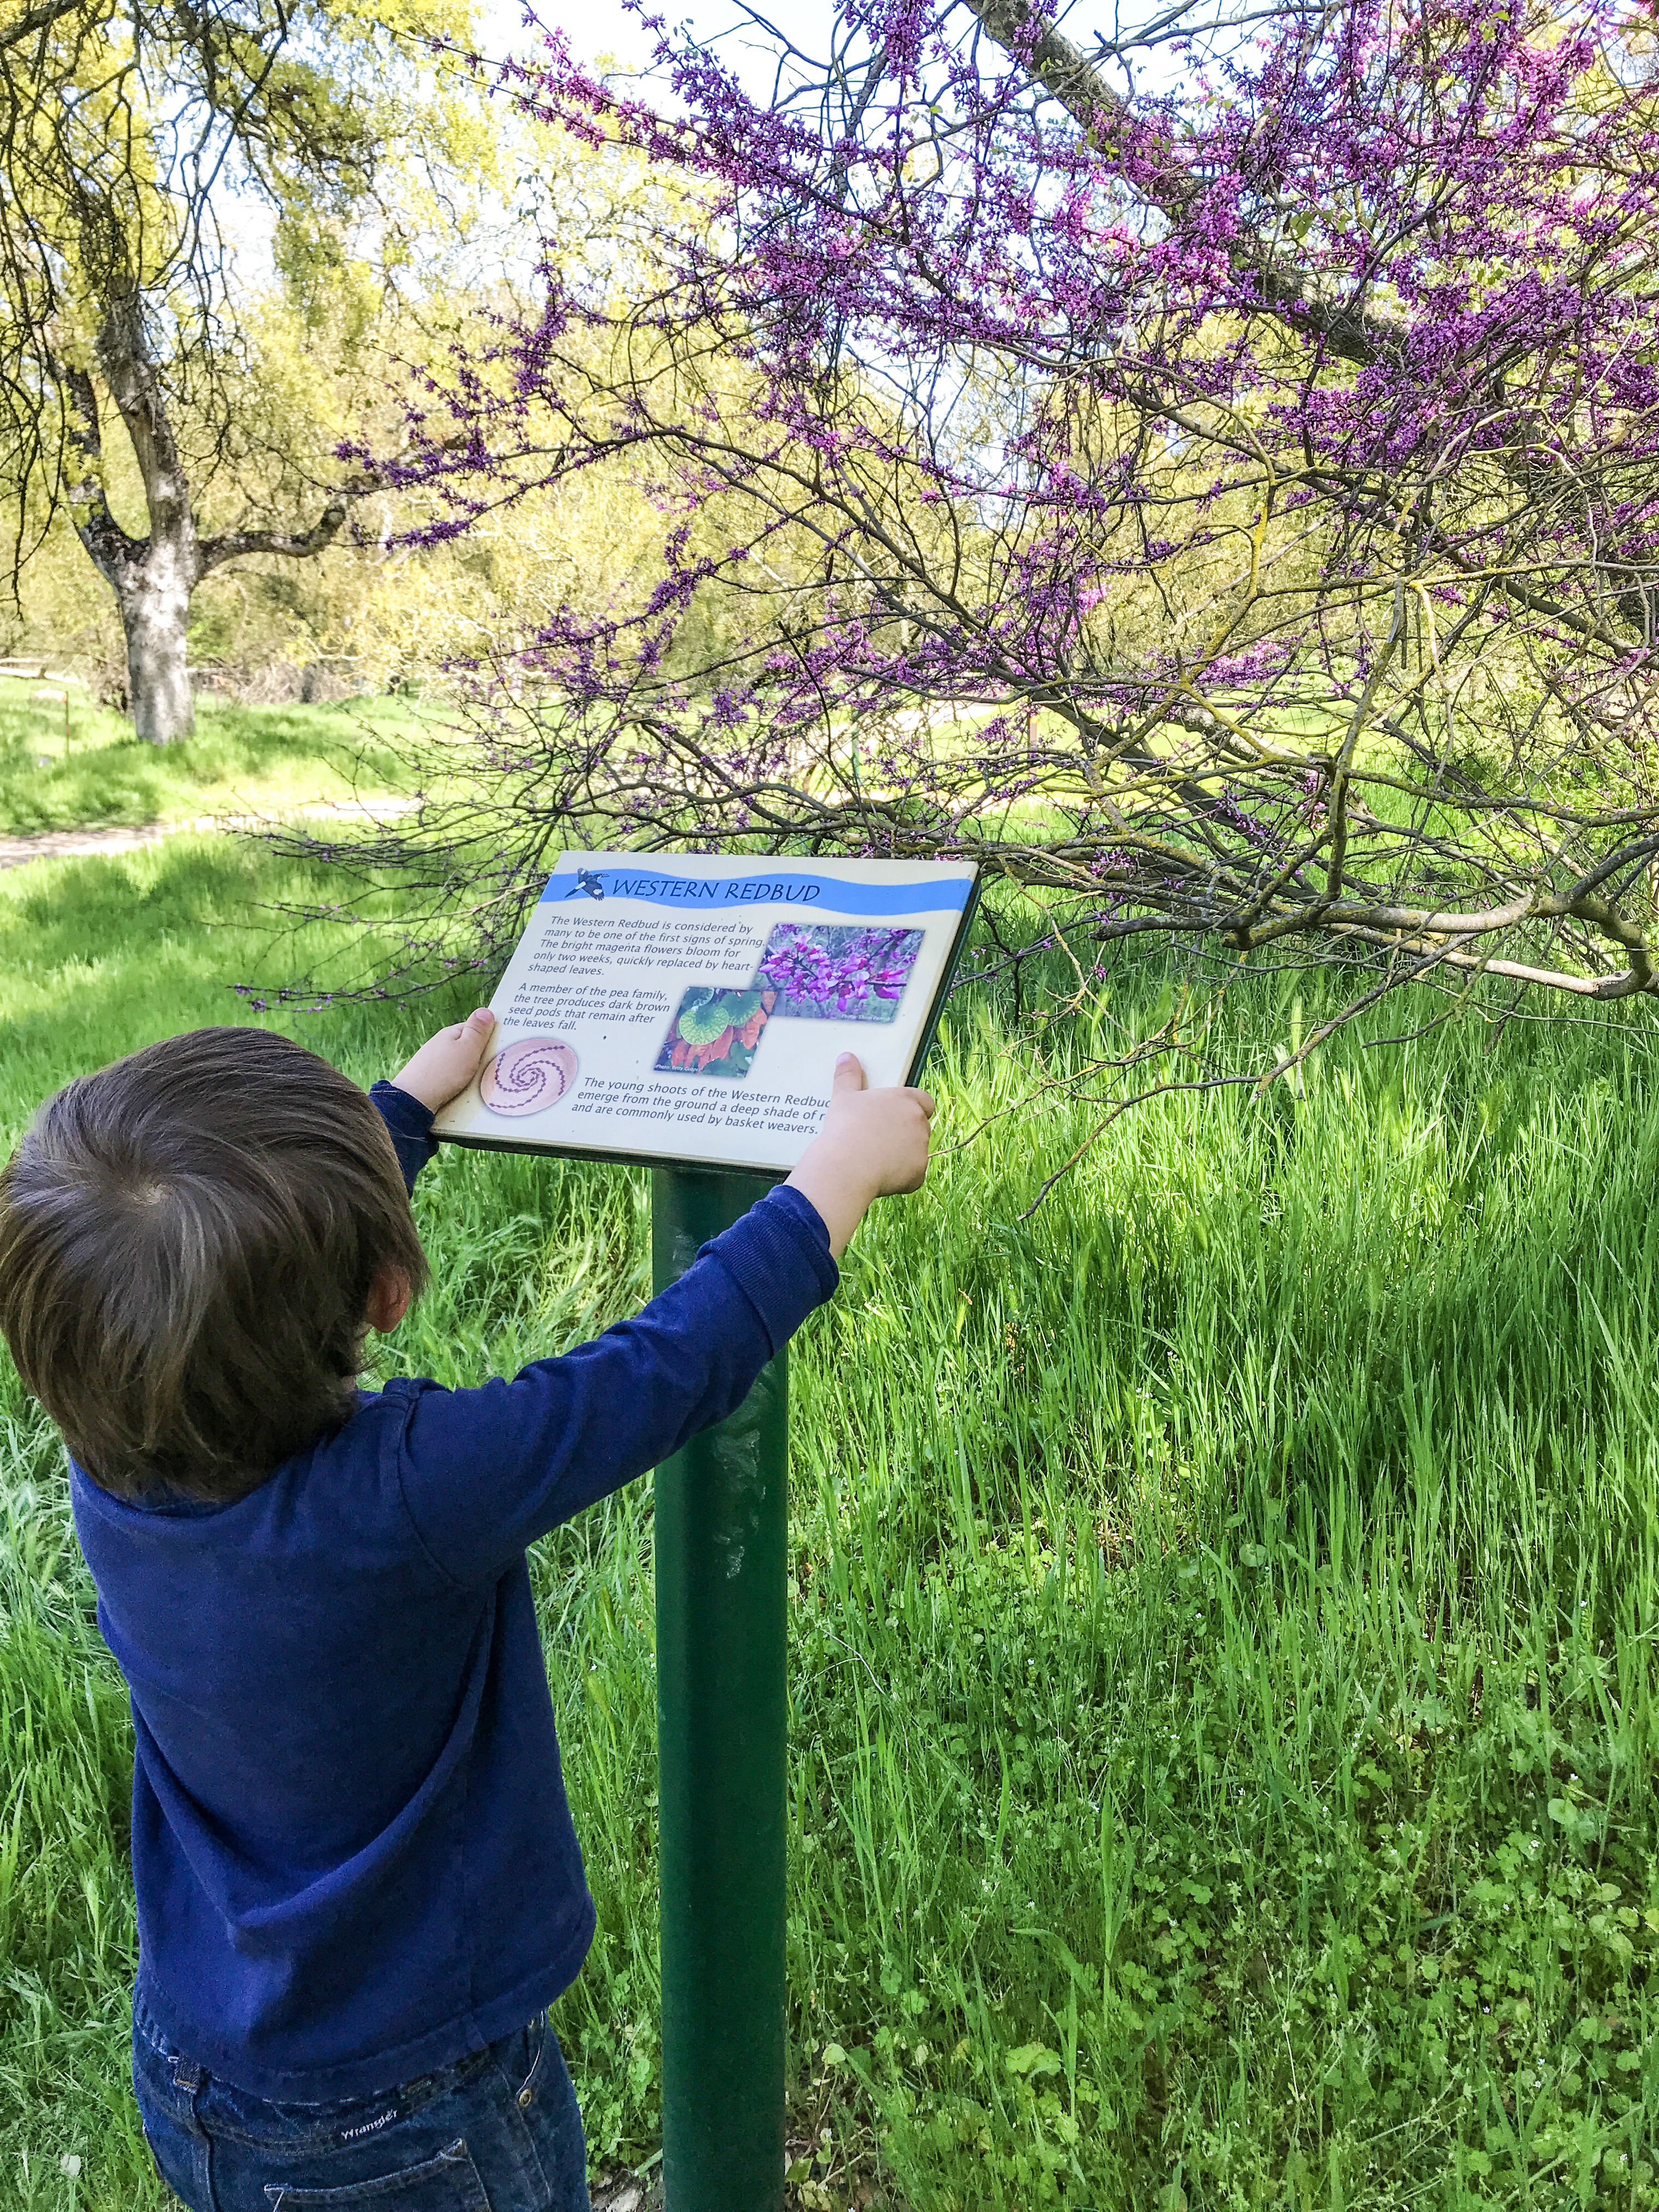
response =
{"points": [[77, 844]]}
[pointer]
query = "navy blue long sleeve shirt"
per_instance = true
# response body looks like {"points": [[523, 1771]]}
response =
{"points": [[352, 1852]]}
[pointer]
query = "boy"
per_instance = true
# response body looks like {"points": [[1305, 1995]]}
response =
{"points": [[356, 1875]]}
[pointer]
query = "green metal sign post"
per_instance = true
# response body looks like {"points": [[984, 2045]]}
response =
{"points": [[721, 1538]]}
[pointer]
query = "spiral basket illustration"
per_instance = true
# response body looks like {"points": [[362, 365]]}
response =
{"points": [[528, 1077]]}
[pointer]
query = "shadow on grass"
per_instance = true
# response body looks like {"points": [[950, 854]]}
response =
{"points": [[103, 774]]}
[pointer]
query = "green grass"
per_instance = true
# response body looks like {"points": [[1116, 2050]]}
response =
{"points": [[87, 768], [1224, 1700]]}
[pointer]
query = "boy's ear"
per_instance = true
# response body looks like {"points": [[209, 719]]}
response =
{"points": [[389, 1299]]}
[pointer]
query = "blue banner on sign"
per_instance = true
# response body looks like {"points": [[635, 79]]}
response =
{"points": [[782, 887]]}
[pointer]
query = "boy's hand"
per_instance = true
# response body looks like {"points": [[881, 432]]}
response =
{"points": [[872, 1143], [446, 1063]]}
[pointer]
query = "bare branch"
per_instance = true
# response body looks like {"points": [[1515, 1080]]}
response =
{"points": [[295, 545], [40, 17], [111, 550]]}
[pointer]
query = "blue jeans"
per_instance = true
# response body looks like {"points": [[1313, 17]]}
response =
{"points": [[497, 2132]]}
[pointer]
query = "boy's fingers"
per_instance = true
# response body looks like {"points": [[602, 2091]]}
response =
{"points": [[849, 1074], [925, 1100]]}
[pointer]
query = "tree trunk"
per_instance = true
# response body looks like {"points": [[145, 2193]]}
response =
{"points": [[154, 601], [153, 577]]}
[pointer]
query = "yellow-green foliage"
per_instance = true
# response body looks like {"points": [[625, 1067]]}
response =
{"points": [[333, 338]]}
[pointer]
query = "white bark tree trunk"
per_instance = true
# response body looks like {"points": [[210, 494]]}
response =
{"points": [[155, 602], [153, 577]]}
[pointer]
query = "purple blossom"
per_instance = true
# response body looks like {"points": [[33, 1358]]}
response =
{"points": [[1114, 488], [858, 975]]}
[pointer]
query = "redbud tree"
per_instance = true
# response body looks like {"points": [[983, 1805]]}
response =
{"points": [[1208, 476]]}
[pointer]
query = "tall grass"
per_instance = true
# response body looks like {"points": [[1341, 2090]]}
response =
{"points": [[1223, 1674]]}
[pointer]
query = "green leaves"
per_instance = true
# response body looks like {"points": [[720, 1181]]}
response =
{"points": [[1583, 1823], [703, 1022], [705, 1015]]}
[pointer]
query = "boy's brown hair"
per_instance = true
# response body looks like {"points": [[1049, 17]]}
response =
{"points": [[188, 1242]]}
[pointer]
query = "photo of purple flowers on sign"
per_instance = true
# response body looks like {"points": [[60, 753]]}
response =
{"points": [[823, 973]]}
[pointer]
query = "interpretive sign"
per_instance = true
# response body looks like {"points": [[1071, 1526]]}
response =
{"points": [[690, 1007]]}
